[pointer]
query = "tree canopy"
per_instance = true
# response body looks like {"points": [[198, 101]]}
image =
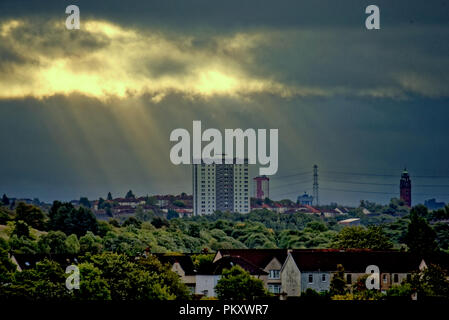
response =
{"points": [[420, 237], [238, 284], [360, 237]]}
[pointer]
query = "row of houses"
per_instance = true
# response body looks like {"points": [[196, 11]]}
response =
{"points": [[123, 207], [289, 273], [166, 202]]}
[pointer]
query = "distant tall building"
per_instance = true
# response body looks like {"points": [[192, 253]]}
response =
{"points": [[406, 188], [261, 187], [223, 187], [305, 199]]}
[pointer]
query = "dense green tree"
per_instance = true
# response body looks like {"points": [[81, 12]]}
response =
{"points": [[5, 215], [92, 285], [5, 200], [420, 237], [128, 281], [90, 243], [159, 222], [101, 203], [169, 279], [440, 214], [238, 284], [44, 282], [109, 197], [420, 210], [435, 281], [22, 245], [72, 244], [114, 223], [6, 265], [430, 282], [103, 228], [31, 214], [179, 203], [317, 226], [85, 202], [58, 213], [203, 263], [130, 195], [132, 221], [338, 283], [53, 242], [361, 292], [172, 214], [65, 217], [359, 237], [442, 235], [403, 290], [194, 230], [21, 229]]}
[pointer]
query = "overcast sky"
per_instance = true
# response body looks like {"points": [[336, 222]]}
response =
{"points": [[84, 112]]}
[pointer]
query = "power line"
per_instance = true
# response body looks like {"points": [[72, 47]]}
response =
{"points": [[362, 174], [430, 177], [432, 185], [389, 184], [369, 183], [294, 175], [357, 191], [380, 192], [288, 193], [290, 184], [384, 175]]}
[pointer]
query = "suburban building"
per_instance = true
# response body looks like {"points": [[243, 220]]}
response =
{"points": [[305, 199], [270, 261], [314, 268], [261, 187], [432, 204], [289, 273], [223, 187], [284, 272]]}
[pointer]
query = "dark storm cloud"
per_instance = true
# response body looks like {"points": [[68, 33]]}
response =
{"points": [[293, 60], [165, 67], [360, 60], [197, 14], [44, 36], [9, 58]]}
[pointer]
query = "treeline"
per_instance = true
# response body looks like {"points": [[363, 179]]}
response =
{"points": [[106, 276], [73, 230]]}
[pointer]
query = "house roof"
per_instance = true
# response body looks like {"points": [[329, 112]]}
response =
{"points": [[184, 260], [228, 262], [258, 257], [355, 260], [312, 209]]}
